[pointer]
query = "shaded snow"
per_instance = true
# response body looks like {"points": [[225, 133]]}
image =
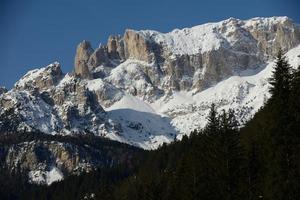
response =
{"points": [[141, 125], [95, 84]]}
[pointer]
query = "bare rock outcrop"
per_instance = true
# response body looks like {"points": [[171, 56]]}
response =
{"points": [[136, 46], [115, 47], [83, 53], [99, 57], [284, 34]]}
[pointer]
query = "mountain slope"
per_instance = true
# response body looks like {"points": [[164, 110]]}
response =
{"points": [[187, 110]]}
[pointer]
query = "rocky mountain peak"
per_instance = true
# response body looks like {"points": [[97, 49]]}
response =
{"points": [[83, 53], [136, 46], [197, 57], [41, 79]]}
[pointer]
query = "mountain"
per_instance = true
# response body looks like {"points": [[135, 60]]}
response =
{"points": [[146, 87]]}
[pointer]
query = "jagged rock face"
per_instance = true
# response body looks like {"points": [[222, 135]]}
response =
{"points": [[136, 46], [115, 47], [97, 63], [211, 70], [83, 53], [31, 155], [284, 35], [99, 57], [106, 93], [78, 107], [40, 102], [46, 161], [136, 78]]}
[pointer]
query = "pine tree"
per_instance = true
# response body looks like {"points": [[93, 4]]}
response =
{"points": [[281, 82], [281, 78], [212, 126]]}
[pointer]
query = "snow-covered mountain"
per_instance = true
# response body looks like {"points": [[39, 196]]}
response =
{"points": [[147, 87]]}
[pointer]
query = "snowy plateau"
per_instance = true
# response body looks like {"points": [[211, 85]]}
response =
{"points": [[148, 88]]}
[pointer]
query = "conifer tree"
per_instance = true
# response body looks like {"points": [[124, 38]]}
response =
{"points": [[212, 126], [281, 78], [281, 82]]}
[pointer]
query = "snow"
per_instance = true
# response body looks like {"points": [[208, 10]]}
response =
{"points": [[131, 102], [30, 76], [293, 57], [65, 81], [45, 177], [188, 41], [190, 109], [130, 74], [54, 175], [265, 22], [35, 111], [206, 37], [95, 84]]}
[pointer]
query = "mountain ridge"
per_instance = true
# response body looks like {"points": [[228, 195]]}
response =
{"points": [[168, 94]]}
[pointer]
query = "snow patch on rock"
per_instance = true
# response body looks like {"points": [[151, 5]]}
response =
{"points": [[42, 177]]}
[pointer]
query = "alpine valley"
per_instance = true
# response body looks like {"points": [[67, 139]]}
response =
{"points": [[142, 89]]}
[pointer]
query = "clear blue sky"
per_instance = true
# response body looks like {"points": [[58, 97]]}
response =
{"points": [[34, 33]]}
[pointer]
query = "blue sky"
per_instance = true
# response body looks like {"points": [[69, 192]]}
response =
{"points": [[35, 33]]}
